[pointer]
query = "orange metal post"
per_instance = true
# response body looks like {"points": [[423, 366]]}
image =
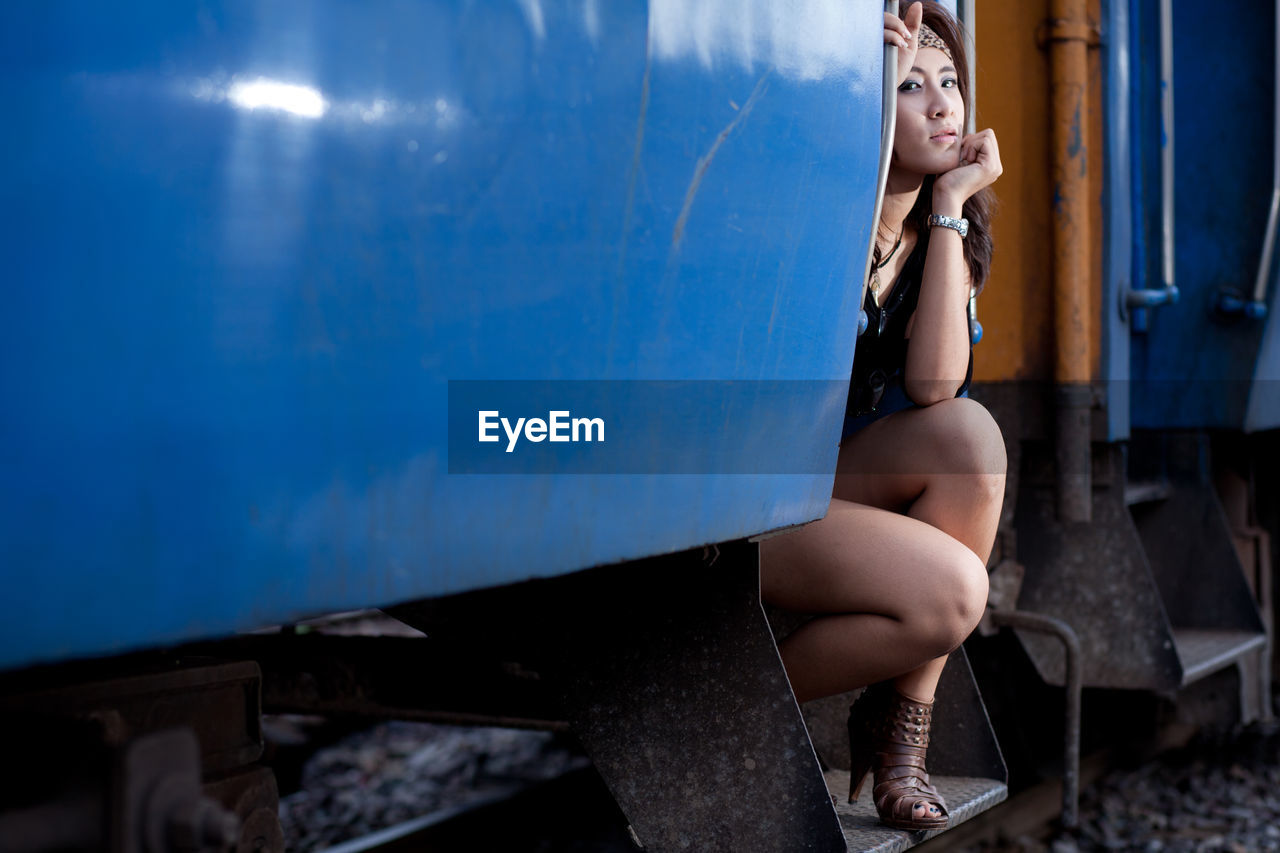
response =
{"points": [[1068, 49]]}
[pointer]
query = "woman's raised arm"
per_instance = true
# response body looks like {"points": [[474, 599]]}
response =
{"points": [[938, 357]]}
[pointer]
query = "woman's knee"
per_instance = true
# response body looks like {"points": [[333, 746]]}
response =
{"points": [[966, 439], [965, 442], [955, 601]]}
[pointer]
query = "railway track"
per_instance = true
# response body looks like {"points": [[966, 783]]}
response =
{"points": [[573, 813], [1194, 773]]}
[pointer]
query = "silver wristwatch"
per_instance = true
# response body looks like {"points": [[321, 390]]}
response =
{"points": [[960, 226]]}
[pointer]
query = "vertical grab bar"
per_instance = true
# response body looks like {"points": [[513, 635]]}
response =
{"points": [[968, 24], [1258, 307], [888, 124], [1155, 297]]}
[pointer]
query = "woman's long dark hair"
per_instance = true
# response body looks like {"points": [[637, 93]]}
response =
{"points": [[977, 245]]}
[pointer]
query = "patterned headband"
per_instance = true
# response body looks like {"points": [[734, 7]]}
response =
{"points": [[928, 38]]}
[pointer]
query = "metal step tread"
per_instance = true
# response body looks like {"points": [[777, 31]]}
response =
{"points": [[966, 797], [1203, 651], [1146, 491]]}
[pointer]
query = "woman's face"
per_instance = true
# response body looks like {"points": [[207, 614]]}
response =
{"points": [[930, 116]]}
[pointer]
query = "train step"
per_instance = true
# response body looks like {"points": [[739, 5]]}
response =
{"points": [[1204, 651], [966, 798], [1153, 585], [964, 759], [1214, 615], [1146, 491]]}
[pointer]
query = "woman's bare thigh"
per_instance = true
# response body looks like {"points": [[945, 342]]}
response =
{"points": [[889, 463], [860, 559]]}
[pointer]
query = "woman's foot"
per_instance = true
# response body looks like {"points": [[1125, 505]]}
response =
{"points": [[888, 735]]}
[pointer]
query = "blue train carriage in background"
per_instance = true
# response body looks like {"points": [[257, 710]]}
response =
{"points": [[263, 255], [1130, 355]]}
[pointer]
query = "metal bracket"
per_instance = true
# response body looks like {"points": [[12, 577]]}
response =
{"points": [[162, 809], [1151, 298], [680, 700]]}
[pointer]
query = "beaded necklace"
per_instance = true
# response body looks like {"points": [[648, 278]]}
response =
{"points": [[875, 271]]}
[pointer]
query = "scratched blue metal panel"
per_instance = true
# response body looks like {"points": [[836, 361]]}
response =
{"points": [[1193, 366], [247, 244]]}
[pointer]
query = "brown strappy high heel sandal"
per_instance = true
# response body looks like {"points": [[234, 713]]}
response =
{"points": [[888, 734]]}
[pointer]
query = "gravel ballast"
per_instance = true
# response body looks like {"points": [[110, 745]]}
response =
{"points": [[398, 771], [1219, 793]]}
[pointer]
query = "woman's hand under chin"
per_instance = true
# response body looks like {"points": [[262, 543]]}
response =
{"points": [[978, 167], [904, 32]]}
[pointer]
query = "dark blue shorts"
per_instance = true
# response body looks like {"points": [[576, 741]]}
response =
{"points": [[895, 399]]}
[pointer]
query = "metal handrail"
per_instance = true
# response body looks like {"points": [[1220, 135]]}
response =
{"points": [[1167, 295], [1073, 666], [888, 125], [1258, 307], [967, 13]]}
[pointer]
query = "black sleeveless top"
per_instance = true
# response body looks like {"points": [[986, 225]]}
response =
{"points": [[876, 389]]}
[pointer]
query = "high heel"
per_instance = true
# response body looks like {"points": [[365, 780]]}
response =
{"points": [[889, 735], [861, 748], [859, 772]]}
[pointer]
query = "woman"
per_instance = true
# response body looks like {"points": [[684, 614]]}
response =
{"points": [[897, 568]]}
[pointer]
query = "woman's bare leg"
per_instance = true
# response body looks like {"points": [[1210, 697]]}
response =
{"points": [[949, 472], [901, 593], [904, 590]]}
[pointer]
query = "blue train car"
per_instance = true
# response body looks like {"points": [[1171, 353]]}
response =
{"points": [[250, 245]]}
